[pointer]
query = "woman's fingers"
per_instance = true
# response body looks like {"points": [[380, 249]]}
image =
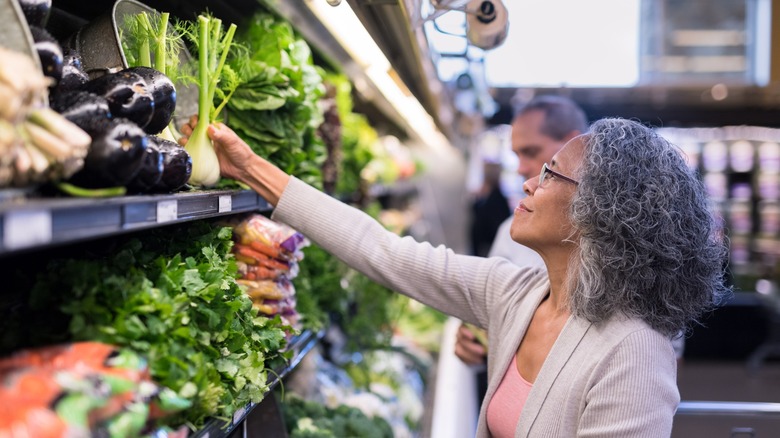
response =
{"points": [[468, 348], [228, 140], [471, 353], [186, 129]]}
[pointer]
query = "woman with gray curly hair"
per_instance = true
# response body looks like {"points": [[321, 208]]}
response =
{"points": [[583, 347]]}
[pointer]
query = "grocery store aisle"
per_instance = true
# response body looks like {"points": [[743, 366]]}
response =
{"points": [[443, 199]]}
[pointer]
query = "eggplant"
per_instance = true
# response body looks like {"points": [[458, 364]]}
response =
{"points": [[49, 52], [164, 95], [36, 12], [127, 96], [73, 74], [150, 173], [81, 107], [115, 156], [177, 165]]}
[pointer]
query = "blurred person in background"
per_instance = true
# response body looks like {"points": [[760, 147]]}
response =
{"points": [[488, 210], [583, 346]]}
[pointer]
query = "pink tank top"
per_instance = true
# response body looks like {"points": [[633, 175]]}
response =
{"points": [[504, 408]]}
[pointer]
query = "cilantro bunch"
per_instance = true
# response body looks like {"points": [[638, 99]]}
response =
{"points": [[172, 297]]}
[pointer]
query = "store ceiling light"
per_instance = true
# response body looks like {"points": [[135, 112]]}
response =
{"points": [[350, 33]]}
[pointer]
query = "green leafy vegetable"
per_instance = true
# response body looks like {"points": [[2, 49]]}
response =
{"points": [[358, 138], [319, 292], [308, 419], [326, 288], [172, 297], [275, 109]]}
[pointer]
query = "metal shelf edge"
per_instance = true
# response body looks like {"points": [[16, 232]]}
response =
{"points": [[40, 223]]}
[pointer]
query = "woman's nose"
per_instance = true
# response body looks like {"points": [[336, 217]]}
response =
{"points": [[530, 185]]}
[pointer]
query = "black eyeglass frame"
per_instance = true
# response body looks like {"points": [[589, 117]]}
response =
{"points": [[546, 169]]}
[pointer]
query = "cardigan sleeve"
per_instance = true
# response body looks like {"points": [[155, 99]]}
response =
{"points": [[634, 391], [454, 284]]}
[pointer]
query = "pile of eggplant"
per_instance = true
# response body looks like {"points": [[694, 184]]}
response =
{"points": [[122, 112]]}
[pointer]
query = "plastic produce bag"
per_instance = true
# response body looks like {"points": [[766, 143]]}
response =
{"points": [[81, 389], [275, 242], [268, 254]]}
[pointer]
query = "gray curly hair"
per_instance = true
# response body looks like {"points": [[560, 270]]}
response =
{"points": [[650, 247]]}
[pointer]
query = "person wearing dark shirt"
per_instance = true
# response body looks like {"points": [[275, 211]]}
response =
{"points": [[488, 211]]}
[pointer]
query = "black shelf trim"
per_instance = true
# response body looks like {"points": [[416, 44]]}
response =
{"points": [[39, 223]]}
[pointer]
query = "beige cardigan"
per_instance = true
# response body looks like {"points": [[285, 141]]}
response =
{"points": [[614, 379]]}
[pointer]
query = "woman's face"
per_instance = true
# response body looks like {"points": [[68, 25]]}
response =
{"points": [[541, 219]]}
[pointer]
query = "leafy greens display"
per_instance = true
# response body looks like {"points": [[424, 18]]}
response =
{"points": [[357, 137], [172, 297], [275, 108]]}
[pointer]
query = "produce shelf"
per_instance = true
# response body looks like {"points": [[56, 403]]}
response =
{"points": [[36, 223], [301, 345]]}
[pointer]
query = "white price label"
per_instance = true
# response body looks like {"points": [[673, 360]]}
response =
{"points": [[26, 228], [238, 415], [167, 211], [225, 203]]}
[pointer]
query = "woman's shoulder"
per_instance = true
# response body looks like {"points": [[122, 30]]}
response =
{"points": [[634, 334], [622, 326]]}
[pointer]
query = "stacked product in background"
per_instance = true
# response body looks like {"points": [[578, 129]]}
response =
{"points": [[79, 390], [267, 254], [380, 390], [310, 419]]}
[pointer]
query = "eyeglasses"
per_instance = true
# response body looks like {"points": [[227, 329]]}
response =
{"points": [[546, 170]]}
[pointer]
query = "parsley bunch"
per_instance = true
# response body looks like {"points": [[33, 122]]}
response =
{"points": [[172, 297]]}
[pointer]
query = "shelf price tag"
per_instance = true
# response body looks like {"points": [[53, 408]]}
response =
{"points": [[167, 211], [239, 415], [225, 203], [23, 229]]}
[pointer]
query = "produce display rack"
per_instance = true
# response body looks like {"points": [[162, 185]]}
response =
{"points": [[301, 345], [38, 223], [32, 223]]}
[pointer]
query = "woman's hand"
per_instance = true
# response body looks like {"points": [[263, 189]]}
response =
{"points": [[238, 161], [233, 153], [468, 347]]}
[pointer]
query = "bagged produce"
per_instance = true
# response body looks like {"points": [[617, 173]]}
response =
{"points": [[80, 389], [267, 255], [272, 239]]}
